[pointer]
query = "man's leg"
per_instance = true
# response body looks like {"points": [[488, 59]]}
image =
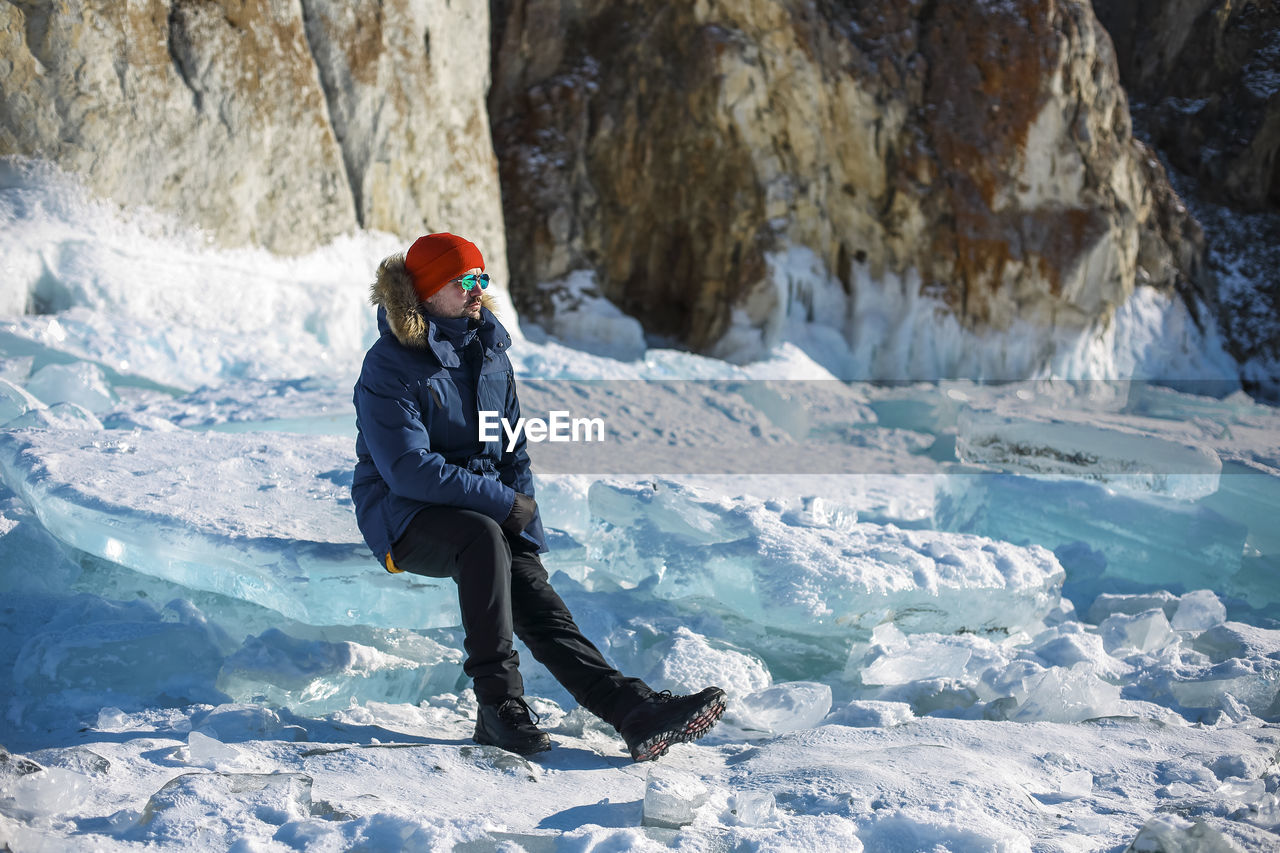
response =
{"points": [[500, 589], [471, 548], [545, 625]]}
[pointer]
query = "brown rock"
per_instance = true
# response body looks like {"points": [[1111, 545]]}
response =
{"points": [[681, 150], [1207, 75], [278, 124], [405, 87], [212, 110], [1205, 78]]}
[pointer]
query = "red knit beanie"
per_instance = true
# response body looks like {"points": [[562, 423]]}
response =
{"points": [[437, 259]]}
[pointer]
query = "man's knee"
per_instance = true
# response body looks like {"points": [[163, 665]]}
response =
{"points": [[478, 531], [439, 537]]}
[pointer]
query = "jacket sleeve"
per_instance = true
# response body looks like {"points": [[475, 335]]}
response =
{"points": [[513, 467], [397, 437]]}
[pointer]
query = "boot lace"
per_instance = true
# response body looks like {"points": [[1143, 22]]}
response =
{"points": [[517, 712]]}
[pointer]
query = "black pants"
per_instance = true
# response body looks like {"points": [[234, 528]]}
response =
{"points": [[503, 588]]}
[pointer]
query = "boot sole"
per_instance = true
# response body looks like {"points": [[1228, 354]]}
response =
{"points": [[533, 748], [695, 727]]}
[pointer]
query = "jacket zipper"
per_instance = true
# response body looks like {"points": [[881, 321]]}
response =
{"points": [[480, 370]]}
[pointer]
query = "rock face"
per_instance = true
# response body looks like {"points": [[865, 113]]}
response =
{"points": [[1206, 74], [979, 152], [1205, 78], [405, 84], [717, 166], [271, 122]]}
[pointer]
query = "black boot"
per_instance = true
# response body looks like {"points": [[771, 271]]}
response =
{"points": [[507, 725], [661, 720]]}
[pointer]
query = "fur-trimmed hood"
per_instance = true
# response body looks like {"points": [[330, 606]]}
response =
{"points": [[393, 291]]}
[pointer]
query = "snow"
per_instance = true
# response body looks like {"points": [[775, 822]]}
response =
{"points": [[582, 318], [895, 331], [948, 614]]}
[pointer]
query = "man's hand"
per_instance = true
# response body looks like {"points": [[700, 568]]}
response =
{"points": [[522, 511]]}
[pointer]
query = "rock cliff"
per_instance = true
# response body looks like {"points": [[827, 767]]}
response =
{"points": [[691, 156], [279, 123], [981, 149], [1205, 80]]}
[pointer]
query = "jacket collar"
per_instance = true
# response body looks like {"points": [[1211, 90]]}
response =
{"points": [[400, 314], [445, 343]]}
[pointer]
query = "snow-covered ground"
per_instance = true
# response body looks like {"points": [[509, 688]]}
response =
{"points": [[949, 615]]}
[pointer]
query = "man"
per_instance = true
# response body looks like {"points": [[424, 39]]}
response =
{"points": [[433, 499]]}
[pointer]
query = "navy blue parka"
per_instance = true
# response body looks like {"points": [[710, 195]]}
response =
{"points": [[417, 401]]}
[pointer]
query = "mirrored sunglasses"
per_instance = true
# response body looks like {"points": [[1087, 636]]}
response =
{"points": [[468, 282]]}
